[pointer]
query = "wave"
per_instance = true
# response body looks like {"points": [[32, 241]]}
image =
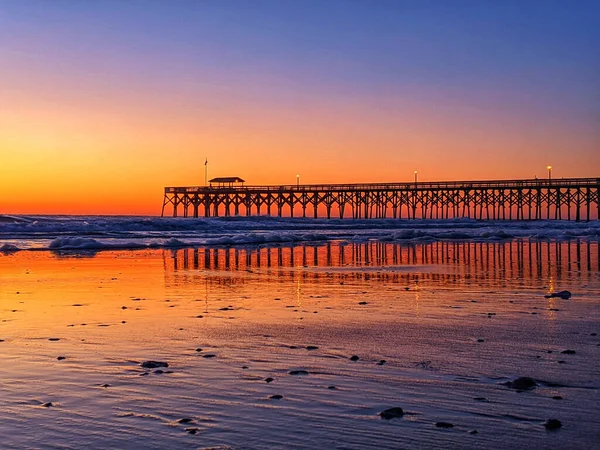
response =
{"points": [[118, 232], [74, 243], [9, 248]]}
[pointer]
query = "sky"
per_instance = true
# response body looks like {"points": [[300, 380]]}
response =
{"points": [[104, 103]]}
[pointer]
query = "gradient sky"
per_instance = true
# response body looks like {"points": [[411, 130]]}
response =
{"points": [[103, 103]]}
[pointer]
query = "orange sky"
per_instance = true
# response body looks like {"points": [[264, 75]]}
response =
{"points": [[105, 156], [87, 128]]}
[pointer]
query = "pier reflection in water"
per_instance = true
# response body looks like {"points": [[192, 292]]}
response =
{"points": [[495, 263]]}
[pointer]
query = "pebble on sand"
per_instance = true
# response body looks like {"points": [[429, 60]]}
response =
{"points": [[392, 413], [269, 379], [209, 355], [381, 362], [552, 424], [312, 347], [298, 372], [522, 383], [185, 420], [192, 430], [276, 397], [568, 352], [565, 295], [60, 358], [444, 425], [154, 364], [47, 404], [54, 339], [354, 358], [362, 303]]}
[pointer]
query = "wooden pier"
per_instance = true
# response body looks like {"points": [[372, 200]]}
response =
{"points": [[561, 199]]}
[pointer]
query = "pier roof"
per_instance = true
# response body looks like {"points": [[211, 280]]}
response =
{"points": [[226, 180]]}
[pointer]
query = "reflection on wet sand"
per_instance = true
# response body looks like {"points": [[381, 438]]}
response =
{"points": [[342, 331], [443, 262]]}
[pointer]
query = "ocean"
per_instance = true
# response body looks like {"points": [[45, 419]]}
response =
{"points": [[128, 232]]}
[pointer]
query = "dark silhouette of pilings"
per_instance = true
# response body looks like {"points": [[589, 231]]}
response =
{"points": [[562, 199]]}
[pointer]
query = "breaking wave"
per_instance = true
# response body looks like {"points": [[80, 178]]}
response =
{"points": [[125, 232]]}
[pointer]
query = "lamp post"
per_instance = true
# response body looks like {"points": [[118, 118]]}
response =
{"points": [[297, 181], [549, 173], [416, 177]]}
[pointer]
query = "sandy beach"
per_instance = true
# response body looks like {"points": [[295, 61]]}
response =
{"points": [[301, 346]]}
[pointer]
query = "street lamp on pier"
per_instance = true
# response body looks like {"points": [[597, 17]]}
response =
{"points": [[416, 172], [549, 173], [298, 181]]}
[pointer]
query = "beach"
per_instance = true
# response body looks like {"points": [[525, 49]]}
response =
{"points": [[301, 345]]}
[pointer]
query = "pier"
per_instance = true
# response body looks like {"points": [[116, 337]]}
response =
{"points": [[528, 199]]}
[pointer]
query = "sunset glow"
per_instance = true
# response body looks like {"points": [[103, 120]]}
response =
{"points": [[102, 104]]}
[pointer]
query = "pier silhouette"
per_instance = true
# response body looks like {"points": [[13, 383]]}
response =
{"points": [[528, 199]]}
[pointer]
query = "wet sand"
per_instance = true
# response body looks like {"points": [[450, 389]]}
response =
{"points": [[302, 347]]}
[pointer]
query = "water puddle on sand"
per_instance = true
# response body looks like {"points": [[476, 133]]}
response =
{"points": [[302, 346]]}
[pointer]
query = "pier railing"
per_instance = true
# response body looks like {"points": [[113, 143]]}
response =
{"points": [[562, 182]]}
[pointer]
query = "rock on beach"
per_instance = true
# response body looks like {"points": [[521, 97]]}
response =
{"points": [[154, 364], [392, 413], [552, 424], [522, 383], [565, 295]]}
